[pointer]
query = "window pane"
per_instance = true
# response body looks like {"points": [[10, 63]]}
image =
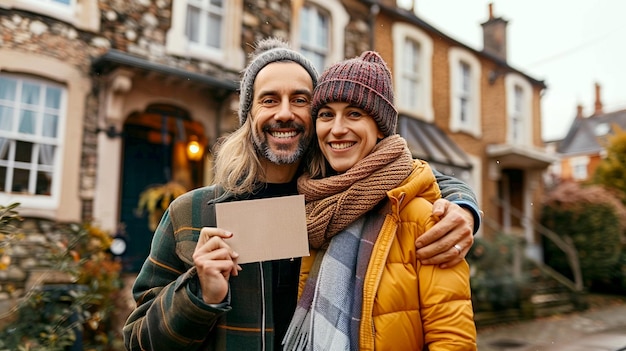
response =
{"points": [[4, 149], [465, 77], [7, 88], [27, 122], [44, 182], [305, 19], [50, 125], [46, 154], [64, 2], [3, 179], [193, 24], [23, 152], [464, 109], [214, 33], [53, 97], [20, 181], [30, 93], [6, 122], [216, 3], [322, 31]]}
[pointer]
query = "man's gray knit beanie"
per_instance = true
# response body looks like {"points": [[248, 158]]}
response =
{"points": [[267, 51]]}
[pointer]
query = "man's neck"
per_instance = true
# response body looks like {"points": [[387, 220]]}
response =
{"points": [[278, 174]]}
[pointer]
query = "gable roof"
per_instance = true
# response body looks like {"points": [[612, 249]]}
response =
{"points": [[588, 135]]}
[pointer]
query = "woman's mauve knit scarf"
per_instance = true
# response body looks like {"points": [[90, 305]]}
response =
{"points": [[334, 202]]}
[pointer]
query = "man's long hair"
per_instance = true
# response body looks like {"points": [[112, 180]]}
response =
{"points": [[237, 165]]}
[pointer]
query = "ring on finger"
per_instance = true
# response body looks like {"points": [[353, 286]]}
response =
{"points": [[458, 248]]}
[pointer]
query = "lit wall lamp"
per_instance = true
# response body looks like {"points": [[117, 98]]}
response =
{"points": [[195, 151]]}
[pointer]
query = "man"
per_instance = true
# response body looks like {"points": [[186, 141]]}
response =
{"points": [[191, 294]]}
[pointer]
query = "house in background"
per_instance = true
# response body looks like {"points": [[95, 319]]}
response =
{"points": [[584, 145], [100, 100], [470, 114]]}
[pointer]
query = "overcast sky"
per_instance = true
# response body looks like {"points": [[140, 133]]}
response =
{"points": [[569, 44]]}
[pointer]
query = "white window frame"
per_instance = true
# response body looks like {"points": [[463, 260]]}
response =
{"points": [[83, 14], [312, 50], [457, 57], [513, 81], [66, 203], [579, 165], [338, 20], [424, 109], [230, 55], [15, 135], [206, 11]]}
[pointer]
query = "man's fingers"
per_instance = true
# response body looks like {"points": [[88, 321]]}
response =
{"points": [[439, 247], [439, 207], [215, 248], [207, 233], [444, 253]]}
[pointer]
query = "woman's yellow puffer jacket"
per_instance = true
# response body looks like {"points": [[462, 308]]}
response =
{"points": [[407, 305]]}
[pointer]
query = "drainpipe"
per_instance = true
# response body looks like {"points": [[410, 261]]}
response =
{"points": [[374, 10]]}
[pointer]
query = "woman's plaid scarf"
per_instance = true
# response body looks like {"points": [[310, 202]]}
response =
{"points": [[329, 311]]}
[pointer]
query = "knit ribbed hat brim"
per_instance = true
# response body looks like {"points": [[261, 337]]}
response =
{"points": [[364, 82], [267, 51]]}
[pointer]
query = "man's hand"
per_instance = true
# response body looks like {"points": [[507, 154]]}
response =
{"points": [[450, 239], [215, 262]]}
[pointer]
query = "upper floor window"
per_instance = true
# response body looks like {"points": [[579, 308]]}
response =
{"points": [[314, 35], [84, 14], [519, 110], [579, 167], [410, 75], [516, 114], [318, 30], [31, 112], [465, 90], [413, 50], [60, 2], [59, 6], [205, 23], [207, 30], [602, 129], [464, 93]]}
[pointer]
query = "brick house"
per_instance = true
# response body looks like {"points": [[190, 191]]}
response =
{"points": [[584, 145], [487, 114], [100, 99]]}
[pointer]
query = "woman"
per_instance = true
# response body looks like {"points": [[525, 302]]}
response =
{"points": [[363, 288]]}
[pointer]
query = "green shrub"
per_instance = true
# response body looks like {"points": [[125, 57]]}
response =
{"points": [[594, 221], [493, 282], [55, 317]]}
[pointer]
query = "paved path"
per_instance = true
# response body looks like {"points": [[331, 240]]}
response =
{"points": [[537, 334]]}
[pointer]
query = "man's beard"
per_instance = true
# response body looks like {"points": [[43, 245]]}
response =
{"points": [[263, 148]]}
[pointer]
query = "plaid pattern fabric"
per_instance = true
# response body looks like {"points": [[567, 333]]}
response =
{"points": [[170, 314]]}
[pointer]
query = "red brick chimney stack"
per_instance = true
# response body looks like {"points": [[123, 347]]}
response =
{"points": [[598, 110], [494, 35], [579, 111]]}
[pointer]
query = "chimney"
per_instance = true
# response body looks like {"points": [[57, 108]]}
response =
{"points": [[494, 35], [579, 111], [598, 110]]}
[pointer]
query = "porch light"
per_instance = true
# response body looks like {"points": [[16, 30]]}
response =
{"points": [[194, 149]]}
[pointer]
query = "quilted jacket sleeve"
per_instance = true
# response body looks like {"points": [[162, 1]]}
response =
{"points": [[446, 308]]}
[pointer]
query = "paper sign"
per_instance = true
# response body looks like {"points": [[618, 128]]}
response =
{"points": [[265, 229]]}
